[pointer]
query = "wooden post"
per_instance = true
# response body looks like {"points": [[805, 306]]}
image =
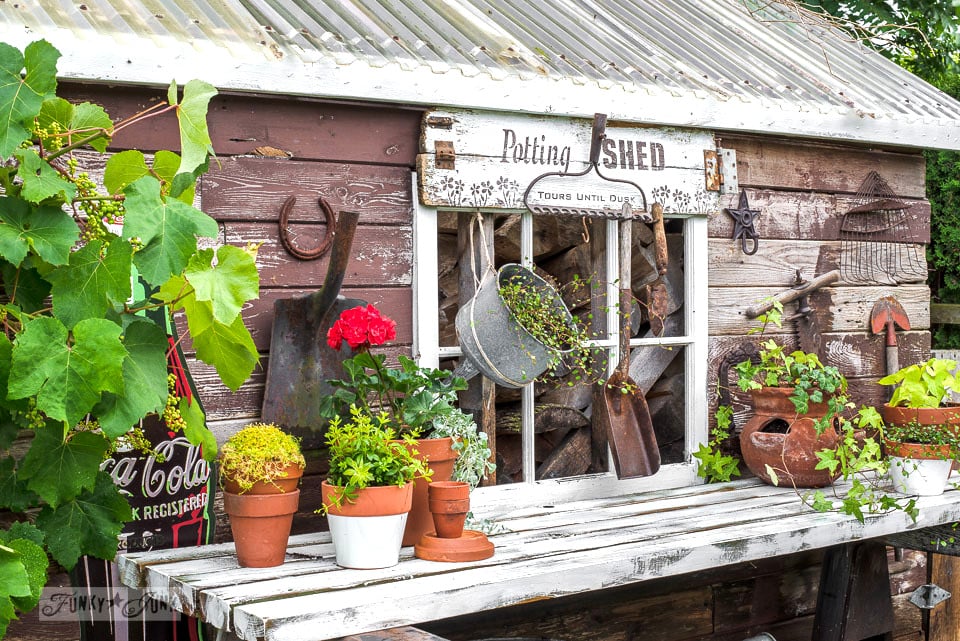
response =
{"points": [[945, 617], [480, 397]]}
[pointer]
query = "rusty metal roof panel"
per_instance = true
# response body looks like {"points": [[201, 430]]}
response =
{"points": [[739, 65]]}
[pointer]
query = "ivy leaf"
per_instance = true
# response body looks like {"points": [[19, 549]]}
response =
{"points": [[67, 378], [167, 227], [196, 429], [21, 96], [92, 283], [59, 469], [144, 379], [14, 495], [229, 348], [88, 525], [228, 284], [49, 230], [195, 141]]}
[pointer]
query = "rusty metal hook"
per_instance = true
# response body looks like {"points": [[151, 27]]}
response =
{"points": [[287, 242]]}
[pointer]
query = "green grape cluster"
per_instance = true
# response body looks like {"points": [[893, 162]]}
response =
{"points": [[171, 413], [135, 439], [51, 137], [99, 210], [29, 418]]}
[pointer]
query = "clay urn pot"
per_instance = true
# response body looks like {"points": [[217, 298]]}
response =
{"points": [[788, 443], [285, 482], [449, 502]]}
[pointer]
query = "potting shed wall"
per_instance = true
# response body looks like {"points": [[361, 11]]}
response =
{"points": [[335, 102]]}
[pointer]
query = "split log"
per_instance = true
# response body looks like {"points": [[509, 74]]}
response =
{"points": [[570, 458], [545, 418]]}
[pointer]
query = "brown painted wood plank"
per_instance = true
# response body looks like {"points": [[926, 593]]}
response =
{"points": [[806, 215], [819, 166], [749, 603], [844, 309], [238, 124], [248, 189], [380, 256]]}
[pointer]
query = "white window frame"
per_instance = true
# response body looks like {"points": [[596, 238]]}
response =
{"points": [[426, 348]]}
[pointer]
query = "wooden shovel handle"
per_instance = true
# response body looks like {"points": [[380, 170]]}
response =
{"points": [[337, 267], [659, 239]]}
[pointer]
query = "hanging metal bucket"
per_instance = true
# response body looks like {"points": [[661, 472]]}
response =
{"points": [[491, 339]]}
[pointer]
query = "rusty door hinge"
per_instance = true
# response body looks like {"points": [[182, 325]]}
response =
{"points": [[720, 170], [446, 156]]}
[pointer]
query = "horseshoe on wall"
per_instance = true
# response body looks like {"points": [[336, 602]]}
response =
{"points": [[319, 250]]}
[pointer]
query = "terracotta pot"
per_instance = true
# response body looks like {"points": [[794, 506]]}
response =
{"points": [[261, 526], [944, 415], [287, 482], [367, 532], [449, 502], [440, 456], [778, 437]]}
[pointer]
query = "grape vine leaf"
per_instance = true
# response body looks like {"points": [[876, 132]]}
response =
{"points": [[228, 284], [21, 95], [88, 525], [195, 143], [25, 287], [168, 228], [92, 283], [35, 562], [67, 376], [229, 348], [49, 230], [59, 469], [14, 583], [40, 180], [196, 429], [14, 494], [144, 379], [129, 166], [76, 122]]}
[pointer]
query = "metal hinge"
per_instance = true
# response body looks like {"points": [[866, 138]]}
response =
{"points": [[446, 156], [720, 170]]}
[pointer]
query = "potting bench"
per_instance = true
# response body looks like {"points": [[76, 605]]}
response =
{"points": [[545, 551]]}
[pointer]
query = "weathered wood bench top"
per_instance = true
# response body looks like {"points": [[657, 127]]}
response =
{"points": [[546, 551]]}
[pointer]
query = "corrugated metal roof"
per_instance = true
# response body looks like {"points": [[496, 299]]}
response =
{"points": [[700, 63]]}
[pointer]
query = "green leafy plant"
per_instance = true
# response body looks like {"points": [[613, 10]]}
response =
{"points": [[543, 315], [364, 451], [411, 396], [259, 452], [714, 466], [862, 465], [473, 462], [925, 384], [83, 351]]}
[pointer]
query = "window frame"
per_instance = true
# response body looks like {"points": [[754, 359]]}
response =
{"points": [[428, 352]]}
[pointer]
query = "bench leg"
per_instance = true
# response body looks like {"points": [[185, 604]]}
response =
{"points": [[853, 603]]}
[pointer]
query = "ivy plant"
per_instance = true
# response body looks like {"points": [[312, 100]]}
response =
{"points": [[83, 351]]}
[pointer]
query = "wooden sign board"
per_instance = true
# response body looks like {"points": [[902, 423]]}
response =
{"points": [[470, 159]]}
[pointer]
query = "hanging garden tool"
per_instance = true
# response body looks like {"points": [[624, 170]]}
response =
{"points": [[624, 199], [880, 242]]}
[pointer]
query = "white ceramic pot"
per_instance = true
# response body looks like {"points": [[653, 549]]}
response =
{"points": [[924, 477], [367, 542]]}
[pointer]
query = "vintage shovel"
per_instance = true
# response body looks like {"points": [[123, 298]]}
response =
{"points": [[886, 316], [630, 433], [300, 359]]}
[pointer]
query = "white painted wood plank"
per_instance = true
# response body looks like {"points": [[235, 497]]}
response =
{"points": [[476, 589]]}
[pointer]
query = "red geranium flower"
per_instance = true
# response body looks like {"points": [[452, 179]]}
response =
{"points": [[361, 327]]}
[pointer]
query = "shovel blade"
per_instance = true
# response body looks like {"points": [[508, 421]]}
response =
{"points": [[630, 432], [301, 362]]}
